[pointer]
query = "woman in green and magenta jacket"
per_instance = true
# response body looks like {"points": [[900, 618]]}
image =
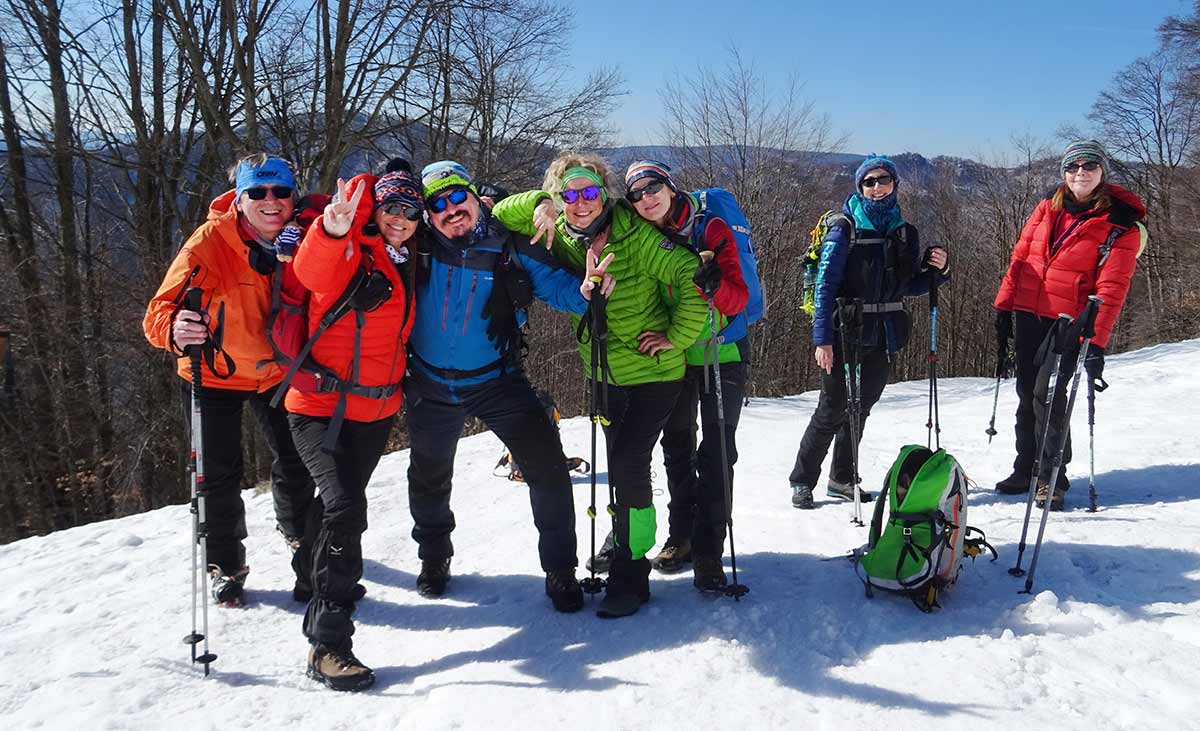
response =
{"points": [[697, 512], [646, 340]]}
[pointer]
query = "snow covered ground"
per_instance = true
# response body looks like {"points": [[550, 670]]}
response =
{"points": [[91, 618]]}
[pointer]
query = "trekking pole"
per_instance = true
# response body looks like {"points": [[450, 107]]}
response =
{"points": [[192, 303], [850, 316], [933, 434], [596, 411], [1001, 368], [1087, 322], [1091, 446], [735, 590], [1060, 329]]}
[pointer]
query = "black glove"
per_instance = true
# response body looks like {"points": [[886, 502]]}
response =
{"points": [[1093, 363], [707, 277], [1004, 326]]}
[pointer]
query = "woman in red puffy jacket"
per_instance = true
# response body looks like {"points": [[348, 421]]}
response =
{"points": [[1082, 240], [363, 236]]}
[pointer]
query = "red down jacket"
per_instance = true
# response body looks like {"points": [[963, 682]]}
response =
{"points": [[322, 267], [1047, 280]]}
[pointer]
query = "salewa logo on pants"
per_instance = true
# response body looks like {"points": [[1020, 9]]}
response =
{"points": [[335, 550]]}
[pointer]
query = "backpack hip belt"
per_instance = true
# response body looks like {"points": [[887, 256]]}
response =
{"points": [[881, 307]]}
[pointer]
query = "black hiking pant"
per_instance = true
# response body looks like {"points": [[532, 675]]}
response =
{"points": [[1034, 356], [697, 509], [509, 407], [636, 417], [291, 485], [830, 419], [335, 553]]}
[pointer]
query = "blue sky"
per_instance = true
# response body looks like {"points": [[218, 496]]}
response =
{"points": [[952, 78]]}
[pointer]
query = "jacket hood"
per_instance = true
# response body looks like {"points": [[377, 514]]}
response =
{"points": [[1127, 208], [223, 207]]}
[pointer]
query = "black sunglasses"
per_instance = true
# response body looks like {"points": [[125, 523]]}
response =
{"points": [[456, 196], [877, 180], [412, 213], [634, 196], [1088, 166], [259, 192]]}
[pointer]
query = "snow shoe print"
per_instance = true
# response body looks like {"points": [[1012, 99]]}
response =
{"points": [[228, 590], [339, 670]]}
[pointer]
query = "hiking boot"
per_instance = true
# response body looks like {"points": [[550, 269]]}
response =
{"points": [[845, 491], [802, 496], [708, 575], [433, 578], [674, 554], [339, 670], [302, 592], [1056, 501], [564, 591], [621, 604], [599, 563], [1015, 484], [228, 590]]}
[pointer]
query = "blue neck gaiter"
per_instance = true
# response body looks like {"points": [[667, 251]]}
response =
{"points": [[881, 213]]}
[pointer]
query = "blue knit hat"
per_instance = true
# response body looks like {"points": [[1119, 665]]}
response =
{"points": [[874, 162]]}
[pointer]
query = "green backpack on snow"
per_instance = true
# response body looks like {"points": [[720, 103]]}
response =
{"points": [[917, 551]]}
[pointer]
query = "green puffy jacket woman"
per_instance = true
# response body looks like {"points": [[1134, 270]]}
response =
{"points": [[646, 340]]}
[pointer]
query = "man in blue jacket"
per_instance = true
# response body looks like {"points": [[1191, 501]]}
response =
{"points": [[473, 281]]}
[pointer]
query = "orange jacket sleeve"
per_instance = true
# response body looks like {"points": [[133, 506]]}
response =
{"points": [[188, 270], [321, 263]]}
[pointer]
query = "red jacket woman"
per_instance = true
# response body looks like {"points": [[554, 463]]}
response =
{"points": [[325, 265], [1056, 263], [1082, 240], [366, 234]]}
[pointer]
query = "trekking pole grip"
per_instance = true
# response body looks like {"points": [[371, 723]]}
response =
{"points": [[1062, 332], [1087, 319], [193, 302]]}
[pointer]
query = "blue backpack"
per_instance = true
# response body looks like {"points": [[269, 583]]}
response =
{"points": [[721, 203]]}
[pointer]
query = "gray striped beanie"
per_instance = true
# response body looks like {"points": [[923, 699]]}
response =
{"points": [[1086, 151]]}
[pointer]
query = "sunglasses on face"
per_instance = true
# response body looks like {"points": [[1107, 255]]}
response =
{"points": [[590, 193], [634, 196], [260, 192], [457, 197], [412, 213], [877, 180], [1075, 166]]}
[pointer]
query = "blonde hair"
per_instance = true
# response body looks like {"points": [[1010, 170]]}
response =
{"points": [[552, 182]]}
